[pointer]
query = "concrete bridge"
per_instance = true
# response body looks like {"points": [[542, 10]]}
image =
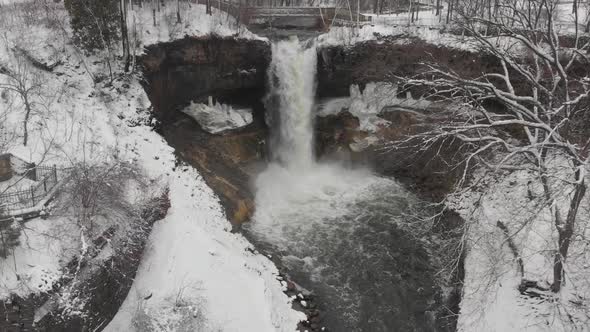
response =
{"points": [[282, 17]]}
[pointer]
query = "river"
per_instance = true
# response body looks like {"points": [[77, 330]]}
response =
{"points": [[338, 231]]}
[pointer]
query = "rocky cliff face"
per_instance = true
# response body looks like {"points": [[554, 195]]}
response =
{"points": [[231, 71], [381, 60], [194, 68], [234, 71]]}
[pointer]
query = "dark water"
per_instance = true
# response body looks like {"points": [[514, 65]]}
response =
{"points": [[341, 234]]}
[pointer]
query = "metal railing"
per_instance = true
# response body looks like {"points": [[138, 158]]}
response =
{"points": [[46, 178], [244, 12]]}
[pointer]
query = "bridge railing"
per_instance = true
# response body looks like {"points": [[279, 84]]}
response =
{"points": [[238, 10], [284, 3], [245, 12]]}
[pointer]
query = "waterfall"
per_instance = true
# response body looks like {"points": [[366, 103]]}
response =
{"points": [[291, 82], [333, 227]]}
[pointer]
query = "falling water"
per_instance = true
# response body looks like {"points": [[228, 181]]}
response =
{"points": [[334, 228], [291, 94]]}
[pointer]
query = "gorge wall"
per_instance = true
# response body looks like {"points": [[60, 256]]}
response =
{"points": [[381, 60], [234, 71], [229, 70], [194, 68]]}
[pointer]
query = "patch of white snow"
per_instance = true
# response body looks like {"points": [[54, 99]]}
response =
{"points": [[217, 117]]}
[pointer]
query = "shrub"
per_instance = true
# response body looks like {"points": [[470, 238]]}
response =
{"points": [[96, 24]]}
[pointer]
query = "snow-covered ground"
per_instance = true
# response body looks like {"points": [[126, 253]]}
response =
{"points": [[425, 18], [34, 265], [351, 36], [9, 2], [191, 257], [16, 183], [428, 18], [193, 23], [431, 28], [491, 299]]}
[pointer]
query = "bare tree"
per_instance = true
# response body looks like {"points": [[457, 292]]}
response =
{"points": [[125, 34], [7, 133], [105, 39], [208, 10], [60, 24], [97, 187], [524, 115], [178, 18], [586, 9], [21, 79]]}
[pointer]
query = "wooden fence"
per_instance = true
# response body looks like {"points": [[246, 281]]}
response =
{"points": [[28, 198]]}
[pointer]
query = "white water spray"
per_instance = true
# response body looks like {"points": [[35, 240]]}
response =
{"points": [[295, 195], [319, 217], [292, 92]]}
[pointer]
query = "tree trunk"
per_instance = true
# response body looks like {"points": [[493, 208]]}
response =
{"points": [[449, 11], [178, 19], [566, 231], [574, 7], [496, 7], [26, 120], [358, 13], [381, 6], [350, 10], [124, 34]]}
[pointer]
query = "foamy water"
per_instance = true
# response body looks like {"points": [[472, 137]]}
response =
{"points": [[332, 227]]}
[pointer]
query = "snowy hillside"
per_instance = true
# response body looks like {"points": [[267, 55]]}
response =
{"points": [[191, 257]]}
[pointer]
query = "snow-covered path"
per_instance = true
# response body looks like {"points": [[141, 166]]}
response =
{"points": [[193, 254]]}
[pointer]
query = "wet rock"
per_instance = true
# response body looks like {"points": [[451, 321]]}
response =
{"points": [[291, 286], [336, 132]]}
